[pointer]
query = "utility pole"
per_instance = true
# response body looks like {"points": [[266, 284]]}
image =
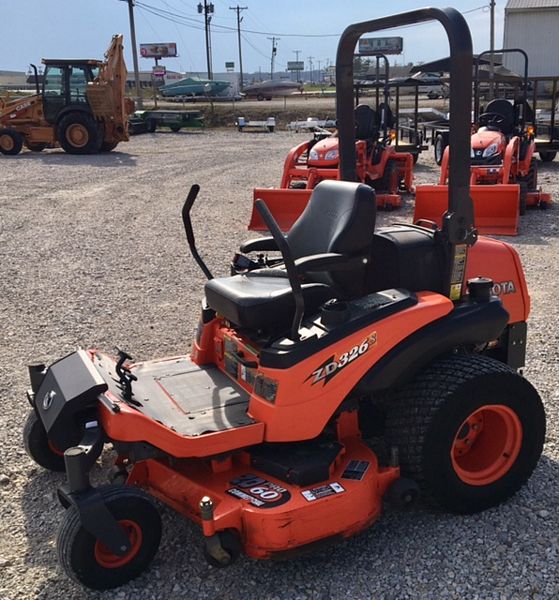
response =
{"points": [[297, 72], [492, 49], [238, 10], [319, 78], [207, 10], [274, 51], [139, 98], [309, 58]]}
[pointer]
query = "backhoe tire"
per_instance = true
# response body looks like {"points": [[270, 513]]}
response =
{"points": [[78, 133], [11, 142], [523, 200], [547, 156], [469, 429], [35, 146], [108, 146]]}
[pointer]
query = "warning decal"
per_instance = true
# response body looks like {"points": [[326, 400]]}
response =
{"points": [[322, 492]]}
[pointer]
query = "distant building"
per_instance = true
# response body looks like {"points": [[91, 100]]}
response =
{"points": [[533, 26]]}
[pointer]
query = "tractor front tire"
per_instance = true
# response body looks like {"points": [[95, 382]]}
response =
{"points": [[438, 149], [11, 142], [469, 429], [78, 133], [523, 198], [89, 562]]}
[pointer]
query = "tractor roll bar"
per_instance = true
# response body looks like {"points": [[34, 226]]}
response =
{"points": [[458, 221], [476, 79]]}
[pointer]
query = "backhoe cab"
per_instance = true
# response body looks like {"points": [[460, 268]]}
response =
{"points": [[81, 107]]}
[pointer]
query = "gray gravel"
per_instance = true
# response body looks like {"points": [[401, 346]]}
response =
{"points": [[93, 254]]}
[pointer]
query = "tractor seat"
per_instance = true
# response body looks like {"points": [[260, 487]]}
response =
{"points": [[366, 123], [503, 108], [339, 218]]}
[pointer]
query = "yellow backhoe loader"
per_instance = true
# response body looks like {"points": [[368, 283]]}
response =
{"points": [[80, 107]]}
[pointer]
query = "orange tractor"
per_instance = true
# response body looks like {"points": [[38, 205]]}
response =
{"points": [[503, 173], [379, 165], [81, 107], [412, 334]]}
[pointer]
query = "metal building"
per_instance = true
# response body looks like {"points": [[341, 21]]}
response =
{"points": [[533, 25]]}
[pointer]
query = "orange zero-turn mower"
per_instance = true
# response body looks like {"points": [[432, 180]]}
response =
{"points": [[378, 164], [412, 334], [503, 172]]}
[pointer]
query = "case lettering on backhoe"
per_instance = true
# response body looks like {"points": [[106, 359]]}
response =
{"points": [[333, 365]]}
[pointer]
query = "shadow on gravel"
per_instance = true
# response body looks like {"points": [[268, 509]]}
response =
{"points": [[420, 551], [108, 159]]}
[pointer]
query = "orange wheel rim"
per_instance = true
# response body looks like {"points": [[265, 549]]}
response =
{"points": [[108, 559], [78, 135], [486, 445], [6, 142]]}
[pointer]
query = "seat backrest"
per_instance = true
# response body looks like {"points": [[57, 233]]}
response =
{"points": [[505, 109], [339, 217], [366, 122]]}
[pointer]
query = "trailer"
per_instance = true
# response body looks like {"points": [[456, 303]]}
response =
{"points": [[147, 121], [243, 124]]}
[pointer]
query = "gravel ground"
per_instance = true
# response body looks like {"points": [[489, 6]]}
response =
{"points": [[93, 254]]}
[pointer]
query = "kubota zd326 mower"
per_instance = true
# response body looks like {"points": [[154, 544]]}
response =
{"points": [[378, 164], [257, 435], [504, 174]]}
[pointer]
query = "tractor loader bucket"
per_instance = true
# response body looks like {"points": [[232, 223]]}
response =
{"points": [[496, 207], [285, 205]]}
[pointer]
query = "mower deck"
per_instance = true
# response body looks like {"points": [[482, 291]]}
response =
{"points": [[182, 396]]}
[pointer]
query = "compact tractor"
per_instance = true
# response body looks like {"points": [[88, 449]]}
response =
{"points": [[412, 334], [379, 164], [81, 107], [504, 174]]}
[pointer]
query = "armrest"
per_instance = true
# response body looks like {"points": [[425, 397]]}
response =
{"points": [[259, 244], [329, 261]]}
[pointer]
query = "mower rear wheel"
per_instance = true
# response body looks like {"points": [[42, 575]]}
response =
{"points": [[11, 142], [78, 133], [89, 562], [547, 156], [469, 430], [38, 445], [231, 543]]}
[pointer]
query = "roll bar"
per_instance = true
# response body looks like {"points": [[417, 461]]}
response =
{"points": [[476, 78], [458, 221]]}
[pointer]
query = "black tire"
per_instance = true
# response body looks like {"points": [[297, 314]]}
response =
{"points": [[438, 149], [547, 155], [429, 416], [11, 142], [79, 133], [88, 562], [35, 146], [175, 128], [108, 146], [260, 97], [388, 179], [231, 543], [151, 125], [271, 128], [523, 199], [415, 157], [37, 445], [532, 177]]}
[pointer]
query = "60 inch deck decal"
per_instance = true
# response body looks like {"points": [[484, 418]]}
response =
{"points": [[331, 367]]}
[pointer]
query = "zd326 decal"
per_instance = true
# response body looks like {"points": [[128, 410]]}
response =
{"points": [[331, 367]]}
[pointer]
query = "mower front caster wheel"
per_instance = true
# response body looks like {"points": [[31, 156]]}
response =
{"points": [[402, 493], [89, 562], [469, 430], [38, 445], [230, 544]]}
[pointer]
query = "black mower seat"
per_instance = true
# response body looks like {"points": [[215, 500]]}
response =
{"points": [[339, 218], [262, 303]]}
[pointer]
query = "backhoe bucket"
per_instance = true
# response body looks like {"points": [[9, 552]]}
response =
{"points": [[284, 204], [496, 207]]}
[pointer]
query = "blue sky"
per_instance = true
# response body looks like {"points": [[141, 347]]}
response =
{"points": [[33, 29]]}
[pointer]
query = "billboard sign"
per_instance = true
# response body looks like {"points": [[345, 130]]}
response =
{"points": [[383, 45], [295, 65], [161, 50]]}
